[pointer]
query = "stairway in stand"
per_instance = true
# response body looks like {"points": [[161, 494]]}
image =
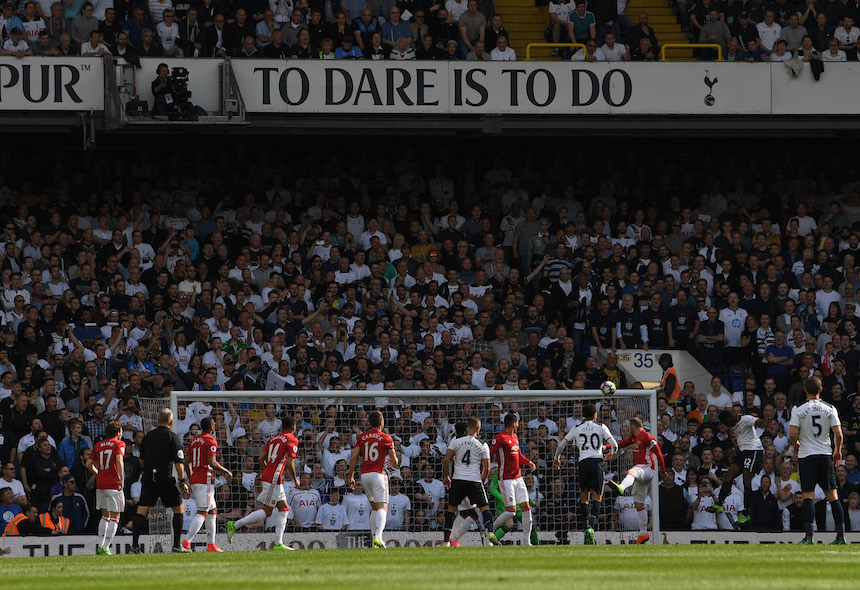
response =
{"points": [[526, 24], [664, 23]]}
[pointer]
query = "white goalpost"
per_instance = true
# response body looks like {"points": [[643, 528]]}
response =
{"points": [[422, 423]]}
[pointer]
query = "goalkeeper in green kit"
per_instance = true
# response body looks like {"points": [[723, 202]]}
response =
{"points": [[500, 507]]}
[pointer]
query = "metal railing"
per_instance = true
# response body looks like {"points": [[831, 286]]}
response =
{"points": [[691, 46], [550, 45]]}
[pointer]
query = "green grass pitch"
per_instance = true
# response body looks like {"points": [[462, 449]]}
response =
{"points": [[750, 567]]}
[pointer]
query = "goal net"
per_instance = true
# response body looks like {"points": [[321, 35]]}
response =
{"points": [[422, 424]]}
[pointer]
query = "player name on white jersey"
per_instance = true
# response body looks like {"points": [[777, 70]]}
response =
{"points": [[469, 452], [589, 437], [814, 420]]}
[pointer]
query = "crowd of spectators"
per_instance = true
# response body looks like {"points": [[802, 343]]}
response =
{"points": [[126, 276], [753, 31], [318, 29]]}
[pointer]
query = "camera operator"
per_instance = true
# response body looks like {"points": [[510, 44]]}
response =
{"points": [[166, 104]]}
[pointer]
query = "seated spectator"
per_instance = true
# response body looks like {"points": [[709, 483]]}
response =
{"points": [[754, 53], [780, 52], [168, 34], [581, 25], [613, 51], [15, 46], [348, 50], [303, 48], [427, 49], [402, 50], [502, 52], [94, 47], [148, 47], [592, 53], [646, 51], [833, 53]]}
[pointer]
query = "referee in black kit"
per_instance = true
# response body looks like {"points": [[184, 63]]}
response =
{"points": [[160, 451]]}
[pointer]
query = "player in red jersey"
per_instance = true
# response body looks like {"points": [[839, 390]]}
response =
{"points": [[201, 464], [375, 447], [106, 462], [639, 476], [276, 457], [506, 450]]}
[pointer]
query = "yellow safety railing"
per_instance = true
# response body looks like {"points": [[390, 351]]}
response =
{"points": [[691, 46], [552, 45]]}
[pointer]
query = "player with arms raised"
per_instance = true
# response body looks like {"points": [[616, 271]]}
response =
{"points": [[592, 439], [201, 464], [471, 468], [645, 449], [750, 454], [810, 427], [374, 446], [276, 457], [506, 450], [106, 461]]}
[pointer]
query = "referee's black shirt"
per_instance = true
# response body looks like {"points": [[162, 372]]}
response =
{"points": [[159, 450]]}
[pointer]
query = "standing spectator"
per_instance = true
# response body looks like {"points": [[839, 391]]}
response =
{"points": [[768, 31], [495, 29], [305, 503], [72, 444], [157, 9], [42, 473], [83, 25], [473, 27], [75, 506], [109, 27], [714, 31]]}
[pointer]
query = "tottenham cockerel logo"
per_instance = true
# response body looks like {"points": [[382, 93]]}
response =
{"points": [[709, 98]]}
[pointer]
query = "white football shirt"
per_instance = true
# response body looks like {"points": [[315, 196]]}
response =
{"points": [[469, 452], [589, 437], [814, 419], [747, 438]]}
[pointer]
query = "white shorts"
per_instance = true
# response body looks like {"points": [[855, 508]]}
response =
{"points": [[642, 486], [111, 500], [514, 491], [204, 496], [272, 494], [375, 487]]}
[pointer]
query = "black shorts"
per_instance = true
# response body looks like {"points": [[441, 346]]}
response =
{"points": [[749, 460], [474, 490], [590, 475], [163, 487], [817, 469]]}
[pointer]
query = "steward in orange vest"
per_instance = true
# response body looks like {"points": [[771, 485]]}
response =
{"points": [[669, 385]]}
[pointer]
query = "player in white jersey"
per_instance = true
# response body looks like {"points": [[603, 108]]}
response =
{"points": [[471, 467], [749, 456], [592, 439], [810, 427]]}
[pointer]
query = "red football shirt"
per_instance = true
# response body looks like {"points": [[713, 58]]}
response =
{"points": [[506, 448], [104, 456], [278, 450], [374, 445], [201, 448], [645, 450]]}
